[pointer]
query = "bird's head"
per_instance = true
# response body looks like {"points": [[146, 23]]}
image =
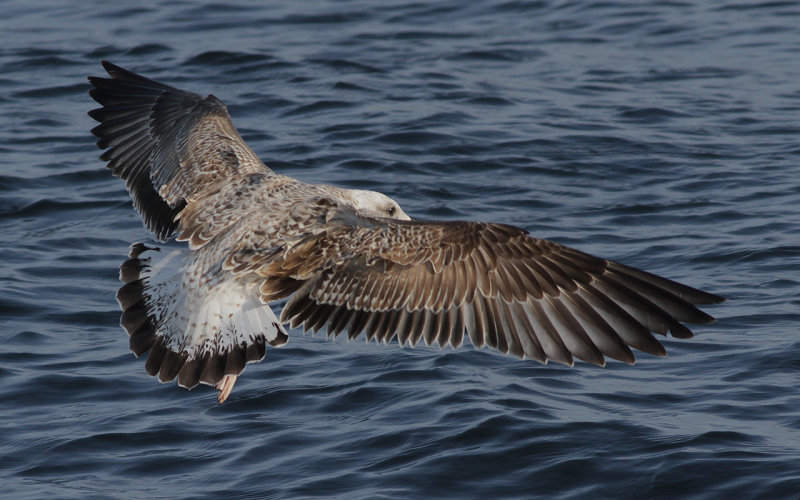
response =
{"points": [[375, 204]]}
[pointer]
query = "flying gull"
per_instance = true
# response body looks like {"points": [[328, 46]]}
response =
{"points": [[347, 259]]}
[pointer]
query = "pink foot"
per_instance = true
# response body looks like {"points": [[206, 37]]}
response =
{"points": [[225, 387]]}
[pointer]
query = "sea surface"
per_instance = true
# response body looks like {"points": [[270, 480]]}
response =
{"points": [[665, 135]]}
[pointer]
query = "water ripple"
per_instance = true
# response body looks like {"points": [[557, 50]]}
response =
{"points": [[660, 134]]}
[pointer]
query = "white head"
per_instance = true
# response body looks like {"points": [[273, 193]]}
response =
{"points": [[375, 204]]}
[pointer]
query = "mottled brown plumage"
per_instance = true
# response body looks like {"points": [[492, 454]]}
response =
{"points": [[348, 259], [520, 295]]}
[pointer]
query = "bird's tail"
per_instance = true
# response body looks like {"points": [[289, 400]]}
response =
{"points": [[195, 328]]}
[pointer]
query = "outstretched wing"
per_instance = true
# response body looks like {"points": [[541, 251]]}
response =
{"points": [[521, 295], [169, 145]]}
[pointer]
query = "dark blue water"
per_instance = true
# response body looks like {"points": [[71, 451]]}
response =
{"points": [[664, 136]]}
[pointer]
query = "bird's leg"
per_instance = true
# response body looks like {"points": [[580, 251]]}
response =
{"points": [[225, 387]]}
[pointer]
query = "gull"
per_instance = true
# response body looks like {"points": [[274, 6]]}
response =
{"points": [[346, 259]]}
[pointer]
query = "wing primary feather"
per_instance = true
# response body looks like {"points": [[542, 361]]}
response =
{"points": [[457, 330], [509, 328], [390, 327], [548, 337], [474, 318], [338, 320], [527, 335], [381, 326], [672, 303], [437, 291], [599, 331], [293, 310], [404, 327], [572, 333], [685, 292], [319, 317], [445, 327], [495, 337], [433, 321], [370, 329], [415, 328], [357, 323], [626, 326], [646, 312]]}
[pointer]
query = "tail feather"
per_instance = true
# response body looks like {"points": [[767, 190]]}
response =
{"points": [[196, 331]]}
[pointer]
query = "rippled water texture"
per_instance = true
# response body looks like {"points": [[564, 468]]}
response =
{"points": [[660, 134]]}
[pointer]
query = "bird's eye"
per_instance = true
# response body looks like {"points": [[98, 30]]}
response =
{"points": [[391, 210]]}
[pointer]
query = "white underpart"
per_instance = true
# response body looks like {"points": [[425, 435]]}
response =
{"points": [[201, 312]]}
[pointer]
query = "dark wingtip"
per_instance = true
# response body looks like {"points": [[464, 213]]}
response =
{"points": [[706, 298], [110, 67], [718, 299], [680, 332], [702, 318]]}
